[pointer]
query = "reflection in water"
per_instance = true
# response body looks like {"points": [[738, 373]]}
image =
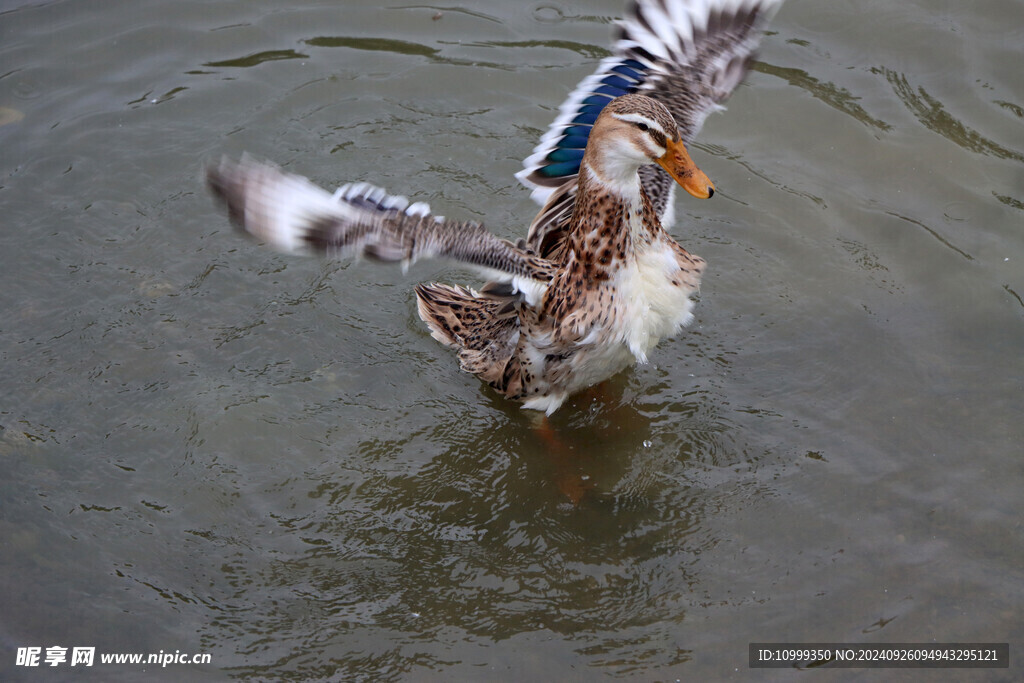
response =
{"points": [[402, 47], [1014, 294], [405, 47], [592, 52], [942, 240], [827, 92], [1010, 201], [398, 47], [480, 545], [148, 98], [258, 58], [1017, 110], [933, 115]]}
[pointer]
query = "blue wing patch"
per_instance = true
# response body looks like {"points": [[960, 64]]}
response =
{"points": [[564, 144]]}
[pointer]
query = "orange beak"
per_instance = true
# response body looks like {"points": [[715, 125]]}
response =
{"points": [[677, 163]]}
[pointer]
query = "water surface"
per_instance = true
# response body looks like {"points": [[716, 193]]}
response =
{"points": [[209, 447]]}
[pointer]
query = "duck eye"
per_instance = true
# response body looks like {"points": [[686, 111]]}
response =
{"points": [[643, 126]]}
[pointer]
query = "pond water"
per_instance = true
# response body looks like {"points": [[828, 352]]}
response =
{"points": [[207, 447]]}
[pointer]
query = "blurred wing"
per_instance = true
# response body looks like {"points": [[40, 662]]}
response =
{"points": [[290, 213], [688, 54]]}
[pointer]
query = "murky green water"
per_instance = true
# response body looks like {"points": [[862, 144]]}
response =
{"points": [[208, 447]]}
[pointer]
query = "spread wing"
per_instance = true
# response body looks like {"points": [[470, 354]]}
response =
{"points": [[290, 213], [688, 54]]}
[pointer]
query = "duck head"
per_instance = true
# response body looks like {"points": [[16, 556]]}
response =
{"points": [[634, 130]]}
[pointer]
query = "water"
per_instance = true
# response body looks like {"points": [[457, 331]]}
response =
{"points": [[208, 447]]}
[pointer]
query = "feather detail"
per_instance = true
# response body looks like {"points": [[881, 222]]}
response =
{"points": [[290, 213], [483, 329], [689, 56]]}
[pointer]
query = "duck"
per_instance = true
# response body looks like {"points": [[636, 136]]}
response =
{"points": [[598, 281]]}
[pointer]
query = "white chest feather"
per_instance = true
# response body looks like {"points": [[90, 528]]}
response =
{"points": [[652, 300]]}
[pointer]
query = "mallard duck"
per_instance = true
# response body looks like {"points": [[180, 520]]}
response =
{"points": [[598, 281]]}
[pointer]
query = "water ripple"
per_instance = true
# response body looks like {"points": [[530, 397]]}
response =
{"points": [[829, 93], [933, 115], [257, 58]]}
